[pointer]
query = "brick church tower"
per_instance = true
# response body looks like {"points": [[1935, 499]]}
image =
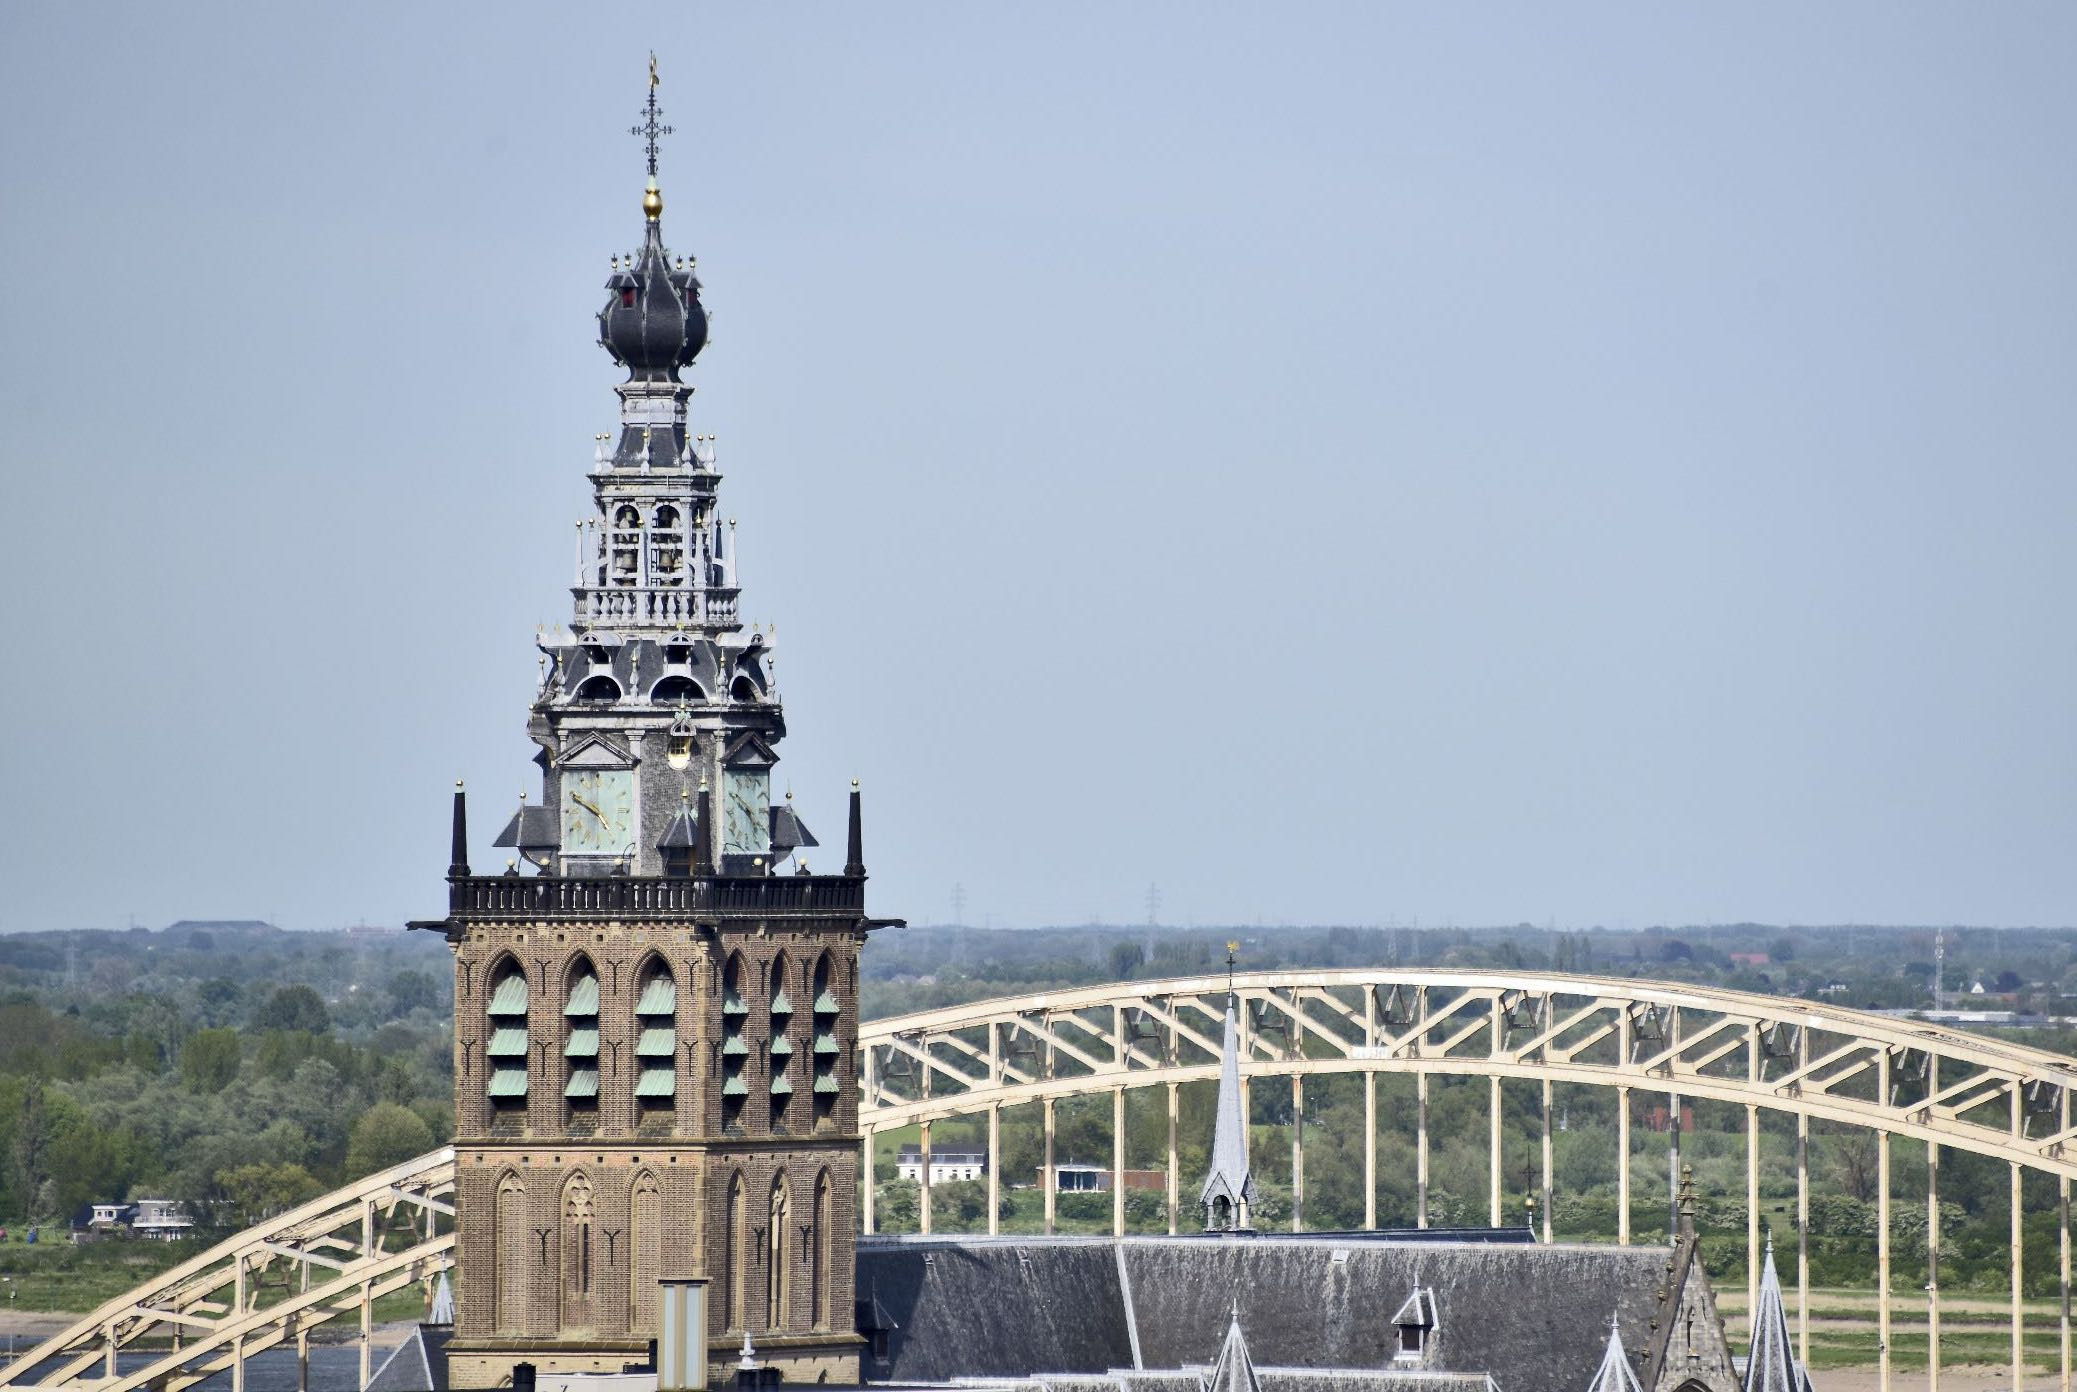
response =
{"points": [[655, 1018]]}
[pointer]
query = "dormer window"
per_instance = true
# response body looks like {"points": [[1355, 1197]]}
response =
{"points": [[627, 297], [1416, 1323]]}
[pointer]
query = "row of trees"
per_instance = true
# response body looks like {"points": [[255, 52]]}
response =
{"points": [[240, 1097]]}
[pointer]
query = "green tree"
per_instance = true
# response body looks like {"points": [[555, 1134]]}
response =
{"points": [[387, 1134], [209, 1060], [412, 990], [253, 1192], [293, 1008]]}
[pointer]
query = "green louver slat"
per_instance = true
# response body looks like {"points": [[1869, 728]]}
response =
{"points": [[825, 1004], [584, 1082], [781, 1005], [734, 1047], [657, 1043], [584, 1043], [826, 1044], [584, 997], [825, 1084], [782, 1047], [657, 1082], [509, 998], [732, 1004], [780, 1087], [506, 1042], [735, 1087], [508, 1082], [659, 997]]}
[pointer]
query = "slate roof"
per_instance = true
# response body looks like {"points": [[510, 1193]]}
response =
{"points": [[419, 1364], [1535, 1318]]}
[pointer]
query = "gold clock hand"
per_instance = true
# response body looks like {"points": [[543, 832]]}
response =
{"points": [[587, 807]]}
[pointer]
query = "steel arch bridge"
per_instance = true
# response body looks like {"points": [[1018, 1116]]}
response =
{"points": [[1899, 1079], [1896, 1078], [331, 1258]]}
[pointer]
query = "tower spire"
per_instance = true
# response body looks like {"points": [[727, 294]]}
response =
{"points": [[1229, 1189], [1614, 1374], [1771, 1367]]}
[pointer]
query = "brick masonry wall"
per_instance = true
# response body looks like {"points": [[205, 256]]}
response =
{"points": [[531, 1300]]}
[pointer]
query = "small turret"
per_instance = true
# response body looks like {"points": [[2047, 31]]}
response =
{"points": [[1229, 1189]]}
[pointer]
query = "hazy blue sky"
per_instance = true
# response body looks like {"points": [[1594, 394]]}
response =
{"points": [[1337, 463]]}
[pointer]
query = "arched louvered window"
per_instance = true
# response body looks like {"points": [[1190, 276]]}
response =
{"points": [[581, 1046], [735, 1048], [826, 1049], [505, 1053], [781, 1071], [656, 1045]]}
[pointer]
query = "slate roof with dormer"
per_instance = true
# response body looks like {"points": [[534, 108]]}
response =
{"points": [[1533, 1317]]}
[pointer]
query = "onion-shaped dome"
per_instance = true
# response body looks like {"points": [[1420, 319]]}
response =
{"points": [[652, 322]]}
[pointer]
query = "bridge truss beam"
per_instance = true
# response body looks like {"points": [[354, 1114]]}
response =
{"points": [[1896, 1079]]}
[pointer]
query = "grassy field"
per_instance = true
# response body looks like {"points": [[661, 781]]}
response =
{"points": [[58, 1277]]}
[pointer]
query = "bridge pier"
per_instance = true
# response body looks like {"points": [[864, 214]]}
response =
{"points": [[1803, 1235], [1493, 1149], [1174, 1165], [1932, 1267], [1297, 1152], [1370, 1137], [923, 1191], [1882, 1260], [867, 1183], [1117, 1162], [994, 1168], [1545, 1197], [1752, 1208], [1421, 1149], [2019, 1362], [1622, 1166], [1052, 1180]]}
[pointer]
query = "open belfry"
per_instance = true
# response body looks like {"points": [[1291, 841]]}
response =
{"points": [[656, 1002]]}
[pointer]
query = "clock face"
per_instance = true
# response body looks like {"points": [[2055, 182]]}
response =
{"points": [[598, 811], [746, 829]]}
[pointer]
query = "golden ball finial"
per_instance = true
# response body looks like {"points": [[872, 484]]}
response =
{"points": [[652, 202]]}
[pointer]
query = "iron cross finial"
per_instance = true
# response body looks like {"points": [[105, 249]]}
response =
{"points": [[652, 120]]}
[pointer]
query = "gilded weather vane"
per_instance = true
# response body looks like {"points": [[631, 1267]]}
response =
{"points": [[652, 120]]}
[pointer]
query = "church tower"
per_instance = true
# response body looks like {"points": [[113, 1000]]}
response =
{"points": [[655, 1017]]}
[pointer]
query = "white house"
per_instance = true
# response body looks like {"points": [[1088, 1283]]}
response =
{"points": [[945, 1165]]}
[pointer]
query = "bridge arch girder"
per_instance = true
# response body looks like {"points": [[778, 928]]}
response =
{"points": [[1781, 1054]]}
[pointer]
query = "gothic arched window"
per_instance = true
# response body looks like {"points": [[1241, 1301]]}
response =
{"points": [[645, 1252], [577, 1254], [733, 1251], [511, 1258]]}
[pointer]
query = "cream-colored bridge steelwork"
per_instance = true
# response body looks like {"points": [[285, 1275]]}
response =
{"points": [[331, 1258], [1899, 1079]]}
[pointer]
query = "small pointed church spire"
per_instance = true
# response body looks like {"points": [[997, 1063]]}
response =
{"points": [[1614, 1374], [1235, 1370], [1772, 1364], [1229, 1189]]}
